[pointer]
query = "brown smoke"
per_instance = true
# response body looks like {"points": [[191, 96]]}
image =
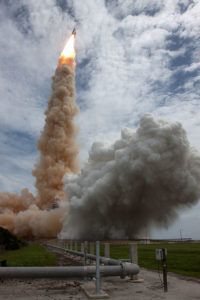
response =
{"points": [[15, 202], [58, 150], [26, 215]]}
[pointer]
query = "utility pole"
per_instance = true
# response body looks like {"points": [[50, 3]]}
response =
{"points": [[181, 234], [164, 265]]}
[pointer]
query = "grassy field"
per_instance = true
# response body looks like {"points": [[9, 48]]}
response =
{"points": [[32, 255], [182, 258]]}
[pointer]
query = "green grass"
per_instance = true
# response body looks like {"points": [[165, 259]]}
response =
{"points": [[182, 258], [32, 255]]}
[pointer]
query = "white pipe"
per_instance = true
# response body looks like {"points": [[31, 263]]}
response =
{"points": [[64, 272], [103, 260]]}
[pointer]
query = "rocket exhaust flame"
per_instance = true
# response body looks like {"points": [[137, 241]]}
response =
{"points": [[69, 51], [68, 54], [27, 215]]}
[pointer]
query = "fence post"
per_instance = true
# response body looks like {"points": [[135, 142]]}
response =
{"points": [[98, 292], [133, 257], [107, 250], [91, 248], [82, 247], [76, 246], [85, 252]]}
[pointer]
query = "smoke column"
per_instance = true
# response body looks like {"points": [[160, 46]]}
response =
{"points": [[57, 145], [140, 180], [26, 215]]}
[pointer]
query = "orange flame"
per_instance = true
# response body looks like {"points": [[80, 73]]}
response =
{"points": [[69, 51]]}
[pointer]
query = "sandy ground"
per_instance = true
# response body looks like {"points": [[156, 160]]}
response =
{"points": [[179, 287]]}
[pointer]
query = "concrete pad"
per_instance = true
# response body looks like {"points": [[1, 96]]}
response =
{"points": [[89, 289], [139, 280]]}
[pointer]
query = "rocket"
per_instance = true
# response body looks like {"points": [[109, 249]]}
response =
{"points": [[74, 31]]}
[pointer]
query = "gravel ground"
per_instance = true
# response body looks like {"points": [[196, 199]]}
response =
{"points": [[116, 288]]}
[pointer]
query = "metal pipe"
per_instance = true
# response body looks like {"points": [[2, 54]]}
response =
{"points": [[97, 268], [131, 257], [85, 253], [103, 260], [64, 272]]}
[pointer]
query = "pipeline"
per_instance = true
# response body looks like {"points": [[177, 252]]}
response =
{"points": [[103, 260], [122, 270]]}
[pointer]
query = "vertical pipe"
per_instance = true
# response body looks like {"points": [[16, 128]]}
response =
{"points": [[133, 257], [164, 265], [85, 253], [85, 257], [97, 268]]}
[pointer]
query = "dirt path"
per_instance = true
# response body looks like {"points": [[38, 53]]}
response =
{"points": [[63, 259]]}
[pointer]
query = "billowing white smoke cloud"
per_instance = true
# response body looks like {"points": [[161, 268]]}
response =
{"points": [[140, 180]]}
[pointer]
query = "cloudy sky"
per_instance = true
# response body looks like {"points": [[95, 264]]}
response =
{"points": [[133, 56]]}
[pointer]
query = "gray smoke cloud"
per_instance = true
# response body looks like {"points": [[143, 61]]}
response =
{"points": [[140, 180]]}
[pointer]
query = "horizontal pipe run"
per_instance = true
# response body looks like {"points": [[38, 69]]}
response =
{"points": [[64, 272], [103, 260]]}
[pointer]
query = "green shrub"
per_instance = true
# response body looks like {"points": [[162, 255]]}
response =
{"points": [[10, 241]]}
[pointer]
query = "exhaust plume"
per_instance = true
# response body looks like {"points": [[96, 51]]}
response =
{"points": [[57, 144], [140, 180], [26, 215]]}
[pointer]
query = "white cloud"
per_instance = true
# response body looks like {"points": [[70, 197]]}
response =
{"points": [[125, 51]]}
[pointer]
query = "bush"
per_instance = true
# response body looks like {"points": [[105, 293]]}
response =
{"points": [[10, 241]]}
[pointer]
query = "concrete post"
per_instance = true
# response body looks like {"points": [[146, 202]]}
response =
{"points": [[82, 247], [85, 252], [107, 250], [133, 257], [76, 246], [91, 248]]}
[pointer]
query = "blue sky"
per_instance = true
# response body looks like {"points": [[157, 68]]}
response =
{"points": [[132, 57]]}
